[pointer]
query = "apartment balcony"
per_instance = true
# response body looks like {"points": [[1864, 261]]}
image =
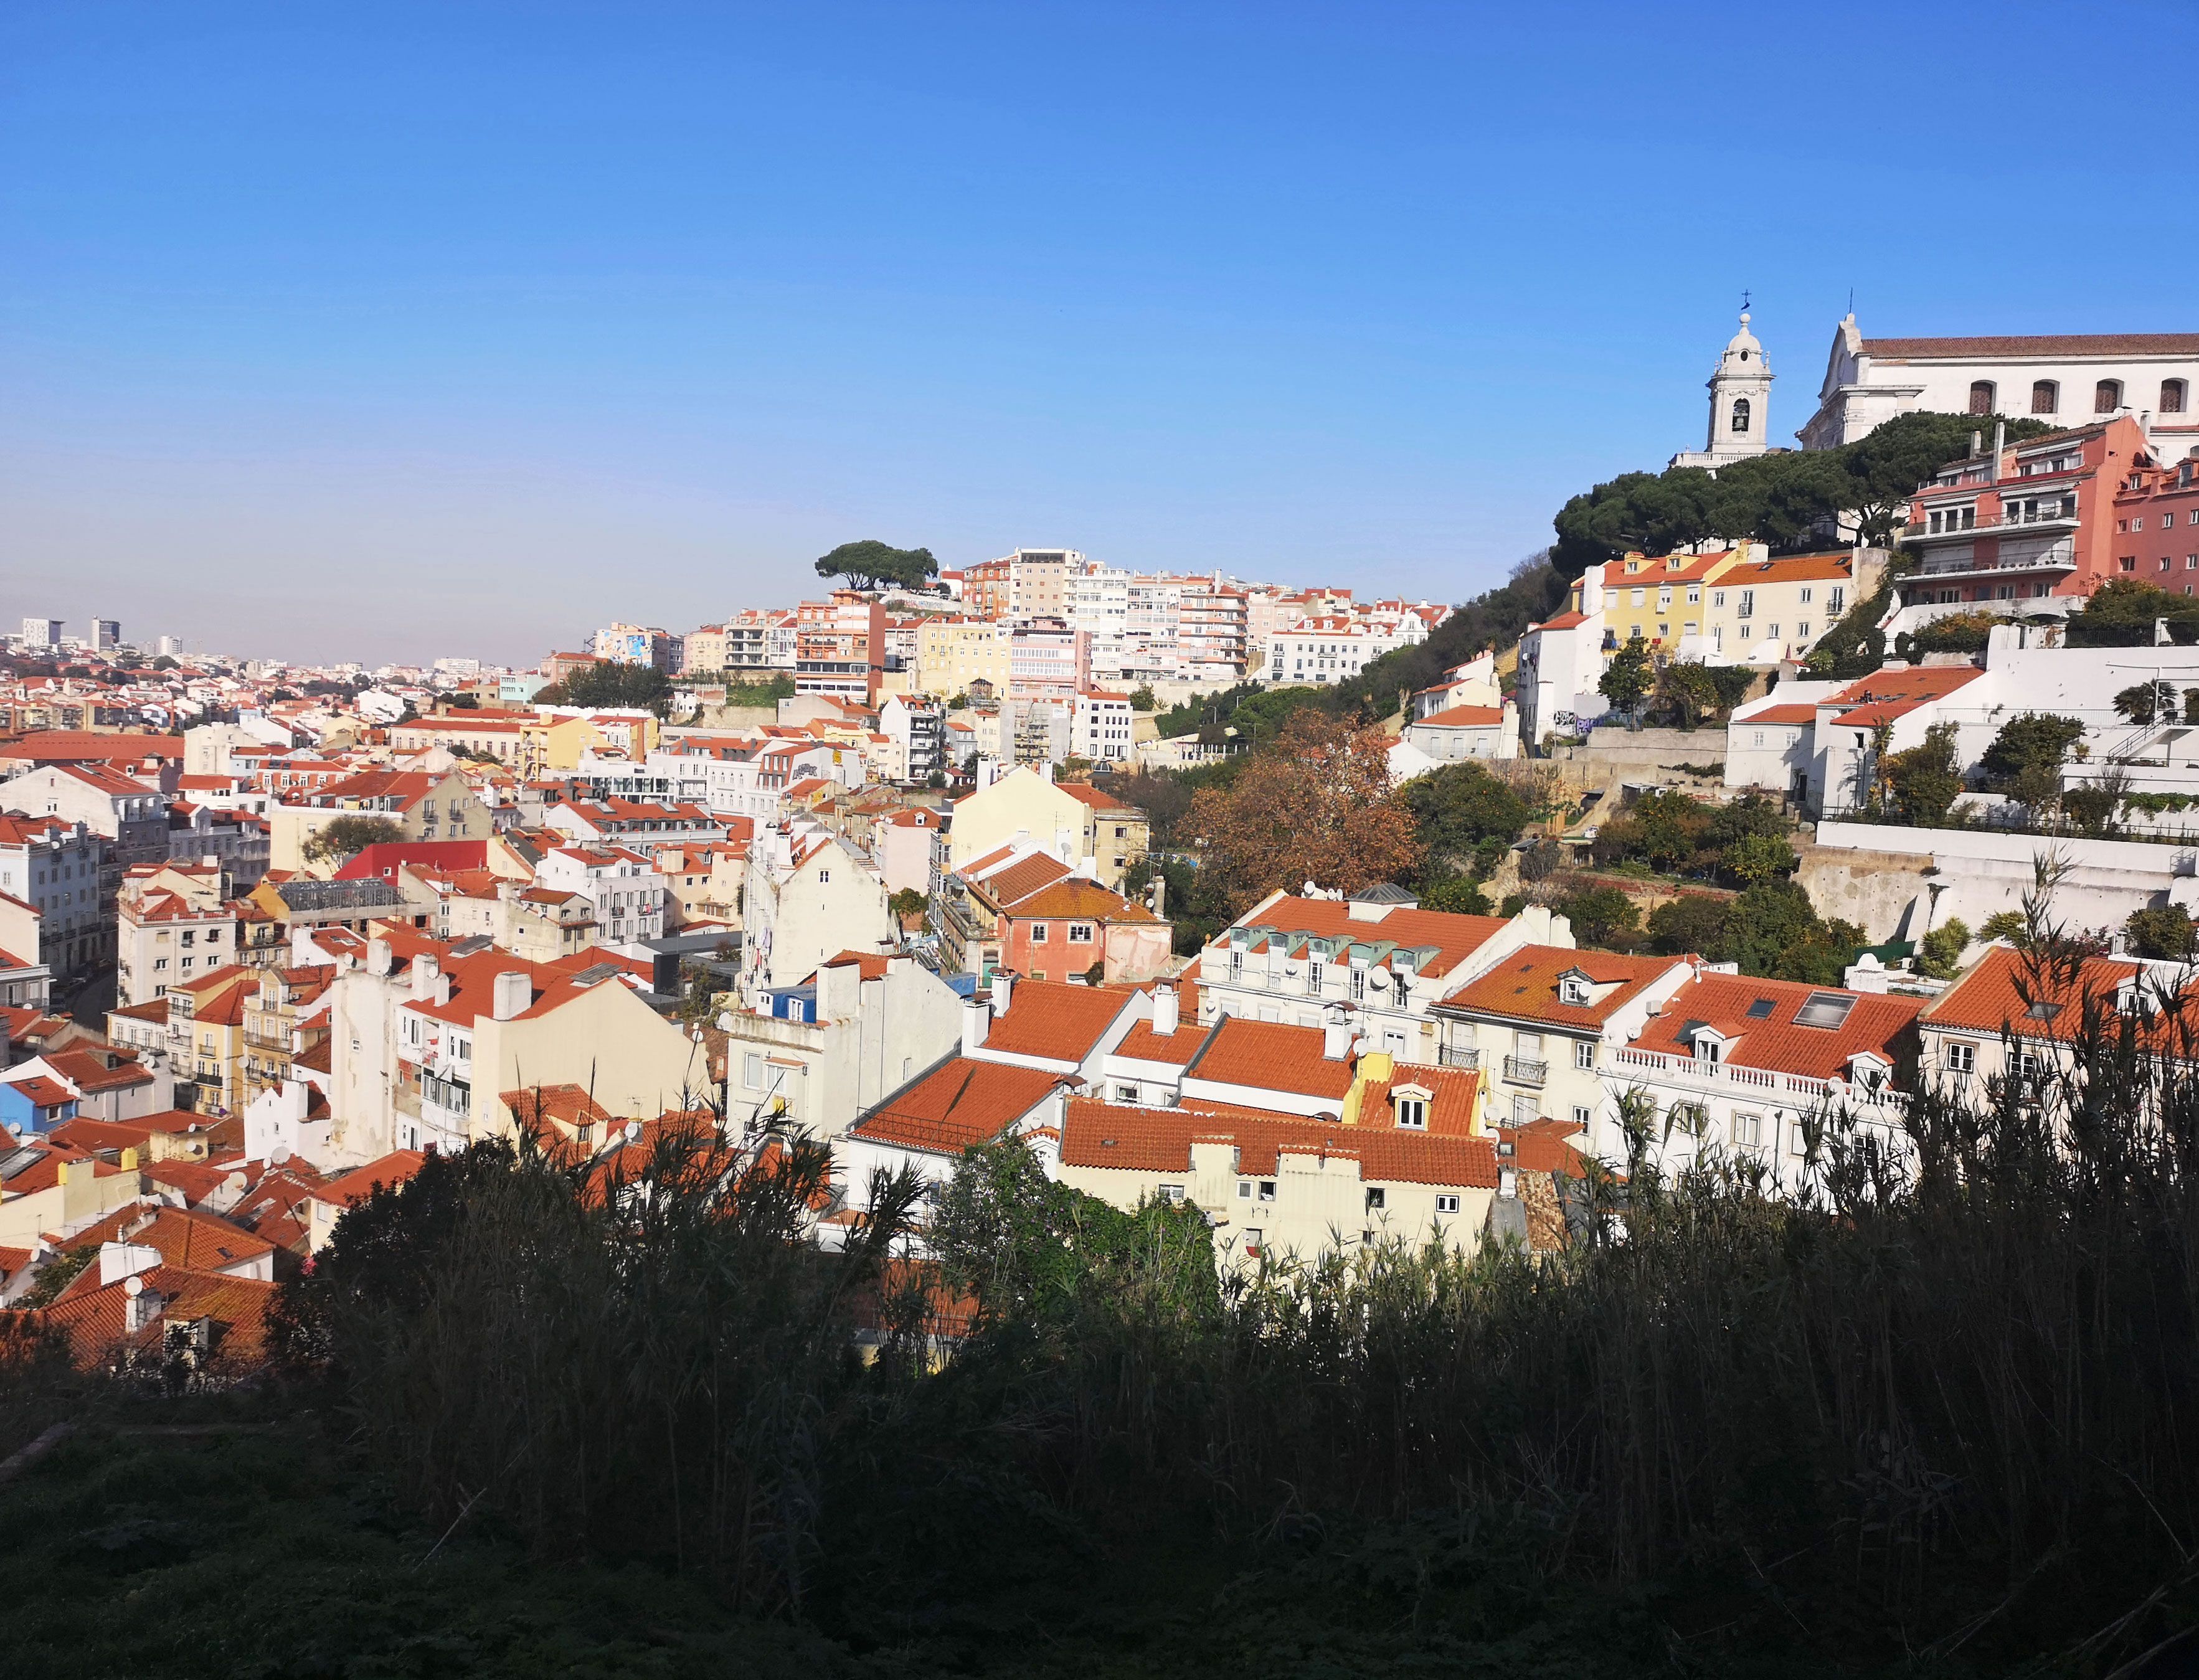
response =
{"points": [[1521, 1071], [2050, 564], [2015, 519], [1458, 1057]]}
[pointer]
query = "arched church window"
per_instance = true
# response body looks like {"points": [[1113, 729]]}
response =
{"points": [[2106, 396], [1982, 396], [1740, 414], [2045, 396]]}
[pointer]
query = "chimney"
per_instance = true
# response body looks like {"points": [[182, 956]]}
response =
{"points": [[1164, 1007], [1336, 1037], [2000, 442], [380, 958], [120, 1260], [424, 971], [141, 1307], [976, 1022], [509, 994], [1508, 1181], [1003, 988]]}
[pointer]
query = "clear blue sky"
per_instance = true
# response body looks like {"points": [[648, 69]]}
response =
{"points": [[390, 331]]}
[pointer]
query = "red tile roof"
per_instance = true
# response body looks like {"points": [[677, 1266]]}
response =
{"points": [[1461, 717], [2005, 991], [2063, 344], [236, 1308], [1524, 986], [1057, 1020], [1884, 696], [1158, 1140], [1142, 1044], [357, 1185], [1456, 937], [1079, 899], [1269, 1056], [1770, 1040], [960, 1103], [1795, 714]]}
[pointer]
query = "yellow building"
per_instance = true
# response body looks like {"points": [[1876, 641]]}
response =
{"points": [[952, 653], [1659, 601], [1741, 603], [425, 804], [1069, 821], [568, 737], [206, 1039]]}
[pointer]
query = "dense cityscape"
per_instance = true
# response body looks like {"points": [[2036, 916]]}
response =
{"points": [[1073, 1113]]}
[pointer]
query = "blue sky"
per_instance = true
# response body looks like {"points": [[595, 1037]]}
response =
{"points": [[388, 331]]}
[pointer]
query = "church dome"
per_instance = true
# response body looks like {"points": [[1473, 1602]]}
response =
{"points": [[1742, 348]]}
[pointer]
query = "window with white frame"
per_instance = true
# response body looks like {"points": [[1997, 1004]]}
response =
{"points": [[1446, 1204], [1584, 1052], [1962, 1058], [1413, 1111]]}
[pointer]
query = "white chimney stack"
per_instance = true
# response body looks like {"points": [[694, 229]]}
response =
{"points": [[424, 969], [976, 1022], [1003, 990], [510, 995], [1336, 1037], [380, 958], [1164, 1008]]}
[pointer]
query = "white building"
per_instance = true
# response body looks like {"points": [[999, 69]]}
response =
{"points": [[1770, 742], [60, 869], [1562, 664], [131, 815], [624, 888], [1741, 405], [1324, 652], [857, 1029], [808, 897], [2065, 379], [1100, 726]]}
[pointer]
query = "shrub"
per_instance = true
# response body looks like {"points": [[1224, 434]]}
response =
{"points": [[1939, 950], [2165, 932], [1603, 917]]}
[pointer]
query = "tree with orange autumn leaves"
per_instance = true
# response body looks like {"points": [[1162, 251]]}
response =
{"points": [[1314, 804]]}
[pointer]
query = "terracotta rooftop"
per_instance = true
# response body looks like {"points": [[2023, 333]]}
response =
{"points": [[1056, 1020], [960, 1103], [1528, 986], [1761, 1023], [1269, 1056]]}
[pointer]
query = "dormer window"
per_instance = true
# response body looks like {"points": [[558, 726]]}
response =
{"points": [[1410, 1105], [1573, 990]]}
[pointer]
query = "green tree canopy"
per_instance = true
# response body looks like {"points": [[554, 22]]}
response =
{"points": [[1627, 680], [1458, 806], [1603, 918], [2123, 611], [350, 835], [1926, 779], [1788, 501], [609, 684], [871, 564], [2025, 758]]}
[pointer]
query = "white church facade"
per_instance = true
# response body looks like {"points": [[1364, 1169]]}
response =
{"points": [[2065, 380]]}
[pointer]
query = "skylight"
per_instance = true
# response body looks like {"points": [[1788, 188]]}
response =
{"points": [[1761, 1009], [1824, 1009]]}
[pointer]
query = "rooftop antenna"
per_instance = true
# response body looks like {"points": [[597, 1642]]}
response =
{"points": [[1851, 300]]}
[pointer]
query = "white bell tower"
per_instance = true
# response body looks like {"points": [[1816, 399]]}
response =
{"points": [[1741, 405]]}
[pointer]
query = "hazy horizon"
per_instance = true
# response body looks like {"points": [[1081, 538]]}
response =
{"points": [[453, 331]]}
